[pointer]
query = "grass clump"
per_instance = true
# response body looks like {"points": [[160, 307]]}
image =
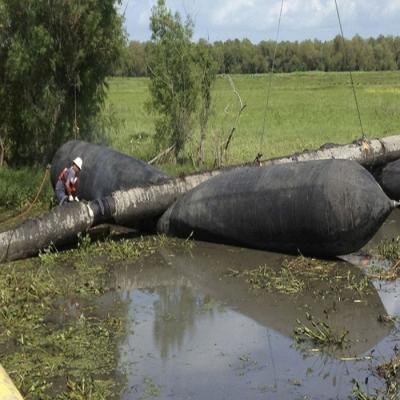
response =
{"points": [[282, 280], [300, 274], [359, 394], [390, 372], [390, 249], [319, 333]]}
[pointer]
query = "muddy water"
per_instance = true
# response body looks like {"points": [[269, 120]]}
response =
{"points": [[197, 332]]}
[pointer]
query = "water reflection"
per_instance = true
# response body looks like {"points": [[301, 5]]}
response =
{"points": [[198, 333], [205, 266], [174, 316]]}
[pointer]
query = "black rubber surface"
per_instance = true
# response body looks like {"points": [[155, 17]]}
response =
{"points": [[322, 208], [389, 178], [104, 170]]}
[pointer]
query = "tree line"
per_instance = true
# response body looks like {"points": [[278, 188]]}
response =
{"points": [[244, 57]]}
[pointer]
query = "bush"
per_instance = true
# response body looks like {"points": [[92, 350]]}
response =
{"points": [[18, 187]]}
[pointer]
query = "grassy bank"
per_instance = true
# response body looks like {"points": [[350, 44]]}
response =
{"points": [[305, 111], [18, 188]]}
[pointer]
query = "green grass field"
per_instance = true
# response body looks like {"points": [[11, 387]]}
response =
{"points": [[305, 111]]}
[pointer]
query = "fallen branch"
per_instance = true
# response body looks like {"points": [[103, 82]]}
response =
{"points": [[242, 107], [162, 154]]}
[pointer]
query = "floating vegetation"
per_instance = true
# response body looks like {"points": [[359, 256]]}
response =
{"points": [[390, 249], [387, 319], [361, 286], [282, 280], [390, 371], [386, 274], [359, 394], [56, 341], [319, 333], [152, 390], [296, 275]]}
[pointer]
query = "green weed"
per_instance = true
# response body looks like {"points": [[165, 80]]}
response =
{"points": [[390, 372], [319, 333], [390, 249], [281, 280], [361, 286], [359, 394], [18, 187]]}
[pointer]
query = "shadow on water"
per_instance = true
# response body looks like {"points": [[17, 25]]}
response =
{"points": [[196, 331]]}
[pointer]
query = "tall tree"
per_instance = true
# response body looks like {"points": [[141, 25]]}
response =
{"points": [[135, 64], [173, 78], [55, 56], [206, 61]]}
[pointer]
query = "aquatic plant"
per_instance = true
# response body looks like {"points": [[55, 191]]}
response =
{"points": [[281, 280], [319, 333], [298, 274], [390, 249], [390, 371], [361, 286], [385, 274], [359, 394]]}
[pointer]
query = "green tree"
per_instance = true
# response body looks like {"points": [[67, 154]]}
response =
{"points": [[173, 77], [135, 61], [208, 67], [55, 56]]}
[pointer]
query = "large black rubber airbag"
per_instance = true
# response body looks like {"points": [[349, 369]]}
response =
{"points": [[322, 208], [104, 170], [389, 178]]}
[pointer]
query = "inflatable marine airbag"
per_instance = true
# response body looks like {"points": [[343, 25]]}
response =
{"points": [[389, 178], [322, 208], [104, 170]]}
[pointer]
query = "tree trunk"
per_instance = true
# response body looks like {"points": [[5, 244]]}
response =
{"points": [[63, 223], [128, 206], [369, 153]]}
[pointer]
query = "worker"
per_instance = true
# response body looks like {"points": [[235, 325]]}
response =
{"points": [[67, 182]]}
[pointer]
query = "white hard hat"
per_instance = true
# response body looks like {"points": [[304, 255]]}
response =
{"points": [[78, 162]]}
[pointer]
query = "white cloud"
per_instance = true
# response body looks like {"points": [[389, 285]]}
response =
{"points": [[231, 11], [257, 19]]}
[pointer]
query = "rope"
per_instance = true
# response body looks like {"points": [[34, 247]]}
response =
{"points": [[351, 75], [29, 207], [76, 127], [259, 155]]}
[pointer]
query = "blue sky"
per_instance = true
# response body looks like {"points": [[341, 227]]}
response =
{"points": [[257, 19]]}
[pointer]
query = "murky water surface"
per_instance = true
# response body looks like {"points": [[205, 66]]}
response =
{"points": [[197, 332]]}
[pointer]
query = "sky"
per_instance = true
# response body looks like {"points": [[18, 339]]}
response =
{"points": [[258, 19]]}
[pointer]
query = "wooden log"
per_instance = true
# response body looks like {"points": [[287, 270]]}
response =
{"points": [[63, 223], [128, 206], [369, 153]]}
